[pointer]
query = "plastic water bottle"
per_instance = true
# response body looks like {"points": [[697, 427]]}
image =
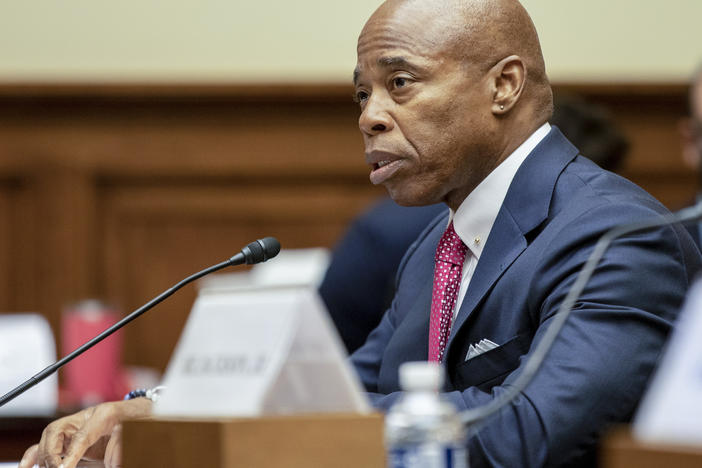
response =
{"points": [[422, 429]]}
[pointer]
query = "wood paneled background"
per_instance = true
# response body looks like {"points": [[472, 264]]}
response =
{"points": [[117, 192]]}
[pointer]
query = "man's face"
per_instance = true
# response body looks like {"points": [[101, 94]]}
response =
{"points": [[425, 112]]}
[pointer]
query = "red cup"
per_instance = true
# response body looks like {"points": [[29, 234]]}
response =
{"points": [[95, 376]]}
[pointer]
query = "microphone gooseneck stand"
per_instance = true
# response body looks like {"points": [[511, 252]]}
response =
{"points": [[256, 252]]}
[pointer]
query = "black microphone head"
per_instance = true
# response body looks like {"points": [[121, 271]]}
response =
{"points": [[261, 250]]}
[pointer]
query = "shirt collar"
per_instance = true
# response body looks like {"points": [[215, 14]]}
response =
{"points": [[477, 213]]}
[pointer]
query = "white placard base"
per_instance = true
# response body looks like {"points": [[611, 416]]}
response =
{"points": [[260, 351]]}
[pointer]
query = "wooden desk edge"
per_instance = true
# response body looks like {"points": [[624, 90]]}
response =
{"points": [[621, 450]]}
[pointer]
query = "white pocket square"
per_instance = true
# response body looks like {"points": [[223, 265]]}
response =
{"points": [[481, 347]]}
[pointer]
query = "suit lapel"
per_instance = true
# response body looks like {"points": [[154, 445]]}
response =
{"points": [[504, 245], [525, 207]]}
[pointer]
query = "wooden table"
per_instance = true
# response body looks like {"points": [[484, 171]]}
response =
{"points": [[620, 450]]}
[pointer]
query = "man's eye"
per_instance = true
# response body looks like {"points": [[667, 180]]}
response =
{"points": [[399, 82], [361, 96]]}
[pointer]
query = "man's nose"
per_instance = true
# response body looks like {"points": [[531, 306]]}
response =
{"points": [[375, 117]]}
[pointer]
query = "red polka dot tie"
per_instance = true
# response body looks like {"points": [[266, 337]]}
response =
{"points": [[450, 254]]}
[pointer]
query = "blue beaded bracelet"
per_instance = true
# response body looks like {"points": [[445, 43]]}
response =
{"points": [[138, 393], [152, 394]]}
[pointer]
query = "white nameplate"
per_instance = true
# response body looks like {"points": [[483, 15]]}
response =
{"points": [[671, 410], [259, 351]]}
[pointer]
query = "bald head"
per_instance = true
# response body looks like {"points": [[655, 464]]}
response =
{"points": [[479, 32]]}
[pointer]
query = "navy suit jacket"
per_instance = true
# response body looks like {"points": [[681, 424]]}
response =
{"points": [[557, 206]]}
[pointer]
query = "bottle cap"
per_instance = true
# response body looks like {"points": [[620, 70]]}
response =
{"points": [[421, 375]]}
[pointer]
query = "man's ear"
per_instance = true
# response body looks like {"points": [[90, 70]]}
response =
{"points": [[509, 77]]}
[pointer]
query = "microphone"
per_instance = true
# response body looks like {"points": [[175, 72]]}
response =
{"points": [[256, 252], [475, 418]]}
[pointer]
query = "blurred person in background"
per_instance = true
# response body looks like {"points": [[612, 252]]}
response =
{"points": [[691, 131]]}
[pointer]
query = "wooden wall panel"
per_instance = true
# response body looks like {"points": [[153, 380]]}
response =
{"points": [[130, 190], [18, 280], [648, 115], [117, 192], [6, 238], [155, 236]]}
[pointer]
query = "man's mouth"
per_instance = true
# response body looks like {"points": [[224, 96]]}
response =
{"points": [[384, 170]]}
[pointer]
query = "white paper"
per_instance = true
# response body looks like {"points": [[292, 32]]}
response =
{"points": [[27, 347], [671, 410], [259, 351], [292, 267]]}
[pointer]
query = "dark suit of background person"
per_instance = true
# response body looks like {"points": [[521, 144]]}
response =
{"points": [[359, 284], [557, 206]]}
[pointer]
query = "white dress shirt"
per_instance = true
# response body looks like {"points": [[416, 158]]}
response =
{"points": [[475, 216]]}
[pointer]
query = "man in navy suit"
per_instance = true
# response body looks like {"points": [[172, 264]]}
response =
{"points": [[359, 284], [454, 108]]}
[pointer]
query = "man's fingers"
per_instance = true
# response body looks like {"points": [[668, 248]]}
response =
{"points": [[50, 461], [84, 433], [113, 452], [97, 425], [57, 436], [30, 457], [81, 441], [62, 438], [51, 446]]}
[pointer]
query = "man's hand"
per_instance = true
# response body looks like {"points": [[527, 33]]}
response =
{"points": [[93, 433]]}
